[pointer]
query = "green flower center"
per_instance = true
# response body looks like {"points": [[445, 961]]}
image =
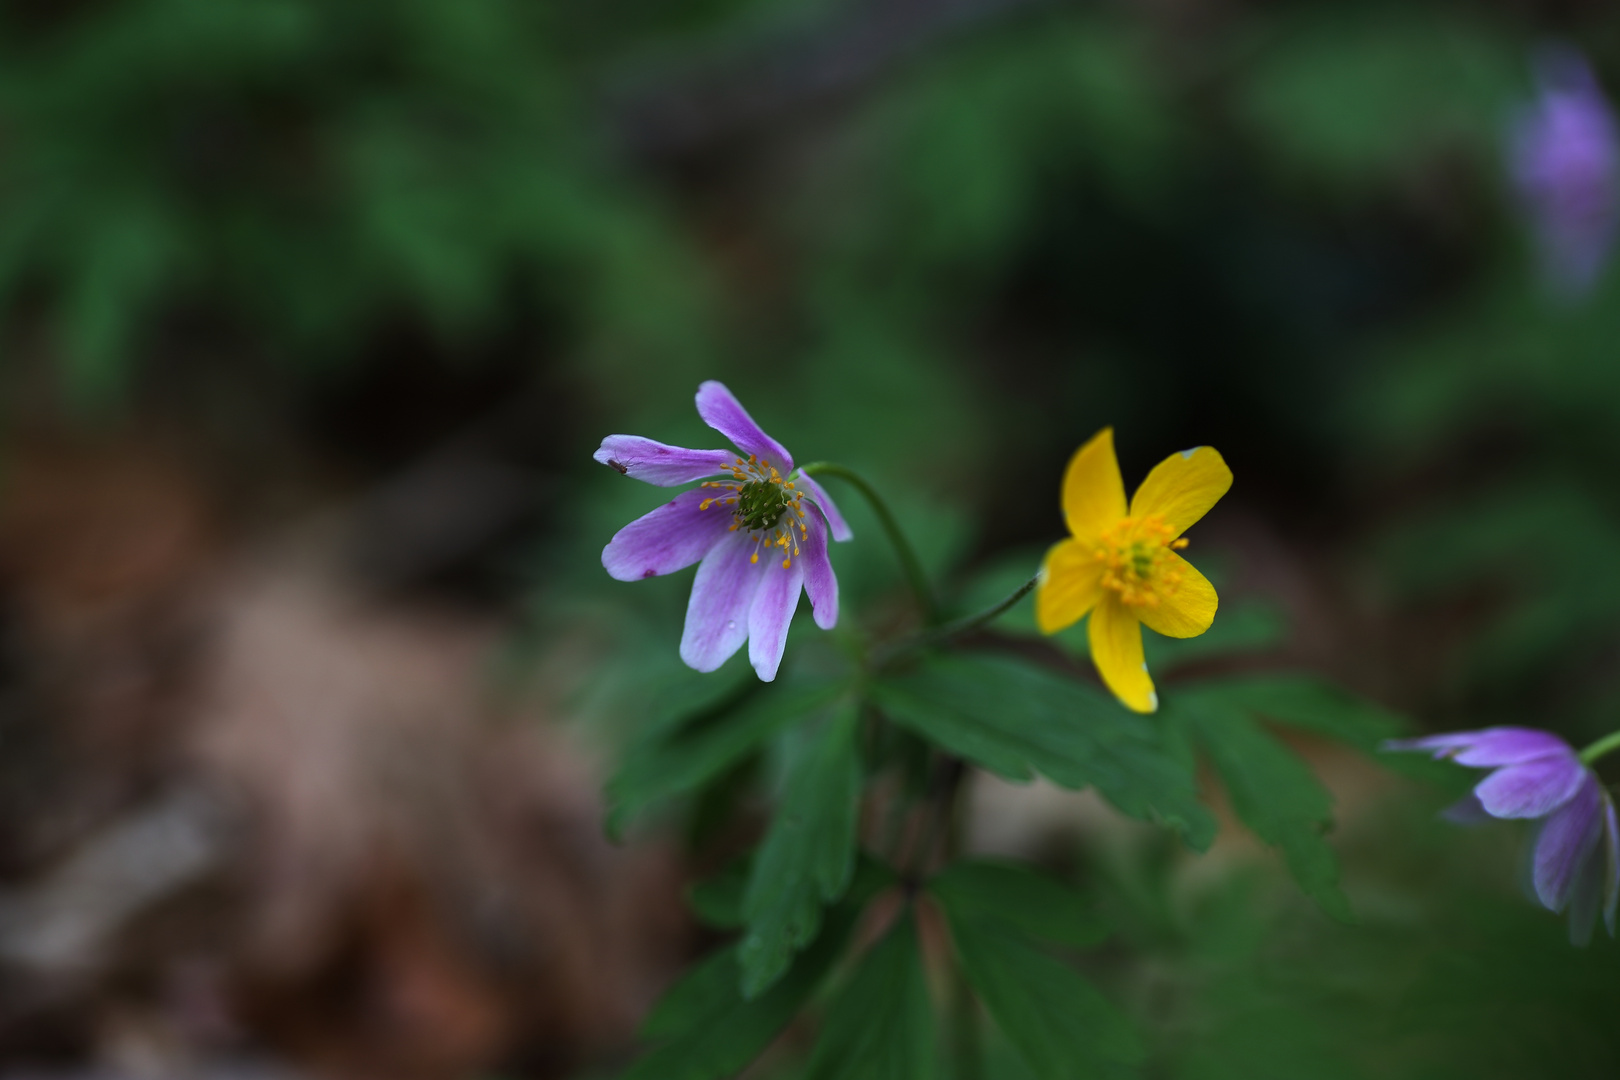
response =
{"points": [[1136, 560], [761, 504]]}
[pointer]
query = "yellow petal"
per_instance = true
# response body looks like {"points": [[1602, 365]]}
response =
{"points": [[1116, 649], [1189, 610], [1183, 487], [1071, 585], [1093, 493]]}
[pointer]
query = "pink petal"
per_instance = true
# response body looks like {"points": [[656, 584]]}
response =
{"points": [[1512, 746], [1586, 898], [722, 594], [671, 538], [772, 612], [659, 463], [721, 411], [819, 580], [819, 496], [1442, 745], [1532, 790], [1491, 746], [1611, 853], [1466, 811], [1567, 840]]}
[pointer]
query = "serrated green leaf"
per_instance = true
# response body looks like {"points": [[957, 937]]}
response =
{"points": [[1021, 899], [712, 1031], [706, 1028], [808, 854], [1061, 1025], [1304, 701], [704, 993], [1245, 626], [1016, 719], [1274, 793], [687, 750], [880, 1026]]}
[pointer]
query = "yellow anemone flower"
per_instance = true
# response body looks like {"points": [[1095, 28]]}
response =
{"points": [[1120, 564]]}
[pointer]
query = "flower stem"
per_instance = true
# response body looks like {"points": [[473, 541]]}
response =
{"points": [[956, 626], [909, 563], [964, 1035], [1606, 745], [989, 614]]}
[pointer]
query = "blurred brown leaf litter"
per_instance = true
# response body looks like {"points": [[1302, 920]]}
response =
{"points": [[276, 821]]}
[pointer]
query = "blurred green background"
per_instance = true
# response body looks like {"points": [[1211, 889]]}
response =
{"points": [[400, 264]]}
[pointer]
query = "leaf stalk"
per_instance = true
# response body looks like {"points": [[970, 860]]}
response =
{"points": [[909, 563]]}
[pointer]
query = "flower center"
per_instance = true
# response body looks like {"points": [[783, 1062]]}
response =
{"points": [[764, 504], [760, 504], [1136, 560]]}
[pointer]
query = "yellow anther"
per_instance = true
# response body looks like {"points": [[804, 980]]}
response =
{"points": [[1134, 555], [704, 505], [786, 563], [754, 558]]}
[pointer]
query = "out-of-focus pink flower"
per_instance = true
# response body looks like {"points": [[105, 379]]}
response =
{"points": [[759, 535], [1538, 776], [1564, 155]]}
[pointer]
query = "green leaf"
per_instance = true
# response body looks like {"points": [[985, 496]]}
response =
{"points": [[1016, 719], [708, 990], [1310, 704], [880, 1026], [1245, 626], [1273, 791], [808, 854], [706, 1028], [718, 901], [1020, 899], [689, 747], [1304, 701], [1061, 1025]]}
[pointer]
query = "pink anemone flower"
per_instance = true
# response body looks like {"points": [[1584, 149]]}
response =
{"points": [[756, 528]]}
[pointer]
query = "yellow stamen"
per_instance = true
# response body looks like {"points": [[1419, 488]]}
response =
{"points": [[1136, 558], [765, 505]]}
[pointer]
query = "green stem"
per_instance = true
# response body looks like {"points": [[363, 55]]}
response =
{"points": [[1606, 745], [955, 627], [909, 562], [989, 614], [967, 1052]]}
